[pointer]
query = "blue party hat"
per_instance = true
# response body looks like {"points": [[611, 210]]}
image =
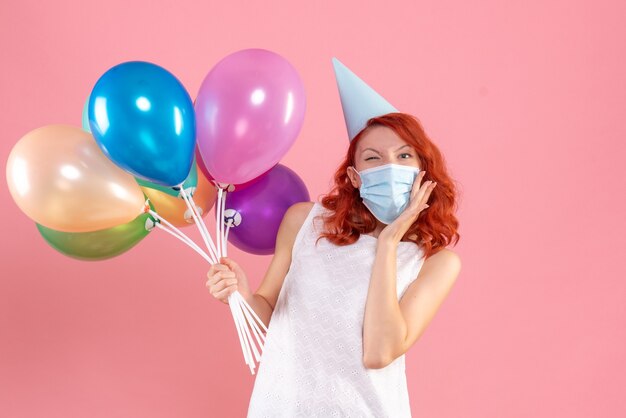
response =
{"points": [[359, 101]]}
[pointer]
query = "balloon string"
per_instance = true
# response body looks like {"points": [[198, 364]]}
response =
{"points": [[249, 340], [237, 310], [190, 244], [200, 225], [238, 327], [242, 327], [257, 355], [183, 238], [218, 208], [174, 229], [251, 311], [222, 232], [221, 223], [255, 328], [192, 204], [249, 308], [242, 312], [217, 220], [246, 344], [234, 304], [226, 237]]}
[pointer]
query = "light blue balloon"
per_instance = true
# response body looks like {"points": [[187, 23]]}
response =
{"points": [[190, 184], [86, 116], [143, 119]]}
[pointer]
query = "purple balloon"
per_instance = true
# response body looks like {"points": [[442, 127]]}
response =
{"points": [[262, 206], [249, 111]]}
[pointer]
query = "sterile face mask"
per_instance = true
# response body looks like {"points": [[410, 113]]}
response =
{"points": [[386, 190]]}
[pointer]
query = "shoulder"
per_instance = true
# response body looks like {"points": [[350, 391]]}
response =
{"points": [[445, 261], [292, 221], [296, 214], [299, 211], [446, 255]]}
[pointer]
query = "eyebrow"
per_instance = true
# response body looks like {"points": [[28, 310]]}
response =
{"points": [[406, 145]]}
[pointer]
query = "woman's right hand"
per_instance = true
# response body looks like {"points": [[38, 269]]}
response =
{"points": [[225, 278]]}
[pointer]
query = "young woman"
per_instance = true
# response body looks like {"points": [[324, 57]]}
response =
{"points": [[354, 280]]}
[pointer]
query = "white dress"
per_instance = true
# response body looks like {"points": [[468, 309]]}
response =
{"points": [[312, 362]]}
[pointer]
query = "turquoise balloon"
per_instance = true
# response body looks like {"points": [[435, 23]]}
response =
{"points": [[191, 182], [86, 116], [143, 119]]}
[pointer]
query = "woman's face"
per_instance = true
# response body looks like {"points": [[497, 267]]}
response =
{"points": [[380, 145]]}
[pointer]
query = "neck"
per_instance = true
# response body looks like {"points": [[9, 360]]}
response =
{"points": [[379, 227]]}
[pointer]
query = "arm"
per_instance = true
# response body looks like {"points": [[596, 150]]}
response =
{"points": [[264, 299], [390, 326]]}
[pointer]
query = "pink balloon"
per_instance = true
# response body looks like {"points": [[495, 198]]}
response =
{"points": [[249, 111]]}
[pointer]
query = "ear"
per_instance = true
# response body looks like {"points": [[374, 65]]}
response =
{"points": [[354, 177]]}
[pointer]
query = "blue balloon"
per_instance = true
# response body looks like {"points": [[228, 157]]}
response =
{"points": [[143, 119]]}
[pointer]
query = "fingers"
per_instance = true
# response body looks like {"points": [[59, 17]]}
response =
{"points": [[217, 267], [223, 295], [431, 188], [417, 182], [223, 279], [427, 185], [223, 288], [416, 188], [424, 194], [224, 285], [229, 262], [221, 285], [218, 276], [420, 194]]}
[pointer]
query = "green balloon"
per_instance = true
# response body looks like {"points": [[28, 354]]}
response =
{"points": [[190, 182], [101, 244]]}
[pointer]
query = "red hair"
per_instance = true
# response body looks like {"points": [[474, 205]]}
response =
{"points": [[435, 228]]}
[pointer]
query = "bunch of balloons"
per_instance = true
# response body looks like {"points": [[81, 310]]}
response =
{"points": [[148, 156]]}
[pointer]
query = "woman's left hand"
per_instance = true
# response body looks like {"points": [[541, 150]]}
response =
{"points": [[417, 203]]}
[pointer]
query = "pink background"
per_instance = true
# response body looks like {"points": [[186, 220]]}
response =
{"points": [[525, 99]]}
